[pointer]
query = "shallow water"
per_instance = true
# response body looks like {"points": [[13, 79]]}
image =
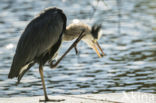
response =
{"points": [[129, 63]]}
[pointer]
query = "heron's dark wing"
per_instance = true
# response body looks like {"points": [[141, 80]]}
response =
{"points": [[39, 36]]}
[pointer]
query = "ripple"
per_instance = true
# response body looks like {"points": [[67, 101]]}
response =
{"points": [[129, 63]]}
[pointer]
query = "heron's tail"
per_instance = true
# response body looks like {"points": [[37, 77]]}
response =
{"points": [[15, 72]]}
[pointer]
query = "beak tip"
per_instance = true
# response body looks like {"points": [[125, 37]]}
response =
{"points": [[101, 55]]}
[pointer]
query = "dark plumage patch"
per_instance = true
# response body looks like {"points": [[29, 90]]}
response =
{"points": [[38, 35], [95, 30]]}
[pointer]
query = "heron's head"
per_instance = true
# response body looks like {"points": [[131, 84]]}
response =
{"points": [[92, 38]]}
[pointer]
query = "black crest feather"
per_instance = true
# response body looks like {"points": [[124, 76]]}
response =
{"points": [[95, 30]]}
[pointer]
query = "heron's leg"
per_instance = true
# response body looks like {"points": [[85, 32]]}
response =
{"points": [[44, 88], [43, 82], [73, 45]]}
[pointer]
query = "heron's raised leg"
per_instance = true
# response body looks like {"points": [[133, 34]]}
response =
{"points": [[44, 87], [73, 45]]}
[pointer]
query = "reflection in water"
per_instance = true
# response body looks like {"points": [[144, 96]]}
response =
{"points": [[129, 64]]}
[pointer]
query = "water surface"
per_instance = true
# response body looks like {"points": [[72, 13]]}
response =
{"points": [[129, 64]]}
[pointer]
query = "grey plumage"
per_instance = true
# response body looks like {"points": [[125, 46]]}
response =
{"points": [[73, 30], [39, 41]]}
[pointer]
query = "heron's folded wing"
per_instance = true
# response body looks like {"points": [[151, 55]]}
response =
{"points": [[40, 34]]}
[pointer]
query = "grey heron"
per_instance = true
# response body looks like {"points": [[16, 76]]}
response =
{"points": [[40, 42]]}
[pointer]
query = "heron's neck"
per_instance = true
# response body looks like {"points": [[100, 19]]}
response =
{"points": [[71, 34], [74, 30]]}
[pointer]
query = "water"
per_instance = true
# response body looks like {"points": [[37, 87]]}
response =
{"points": [[129, 64]]}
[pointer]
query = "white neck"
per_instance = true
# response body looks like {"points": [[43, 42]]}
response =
{"points": [[73, 31]]}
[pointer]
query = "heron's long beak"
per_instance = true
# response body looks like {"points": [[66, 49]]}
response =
{"points": [[100, 48], [96, 46]]}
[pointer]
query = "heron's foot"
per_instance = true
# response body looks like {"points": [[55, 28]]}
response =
{"points": [[52, 100], [76, 51], [52, 64]]}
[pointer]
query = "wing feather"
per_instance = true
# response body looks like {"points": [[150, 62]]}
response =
{"points": [[38, 37]]}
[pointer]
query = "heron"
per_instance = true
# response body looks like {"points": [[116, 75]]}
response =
{"points": [[41, 39]]}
